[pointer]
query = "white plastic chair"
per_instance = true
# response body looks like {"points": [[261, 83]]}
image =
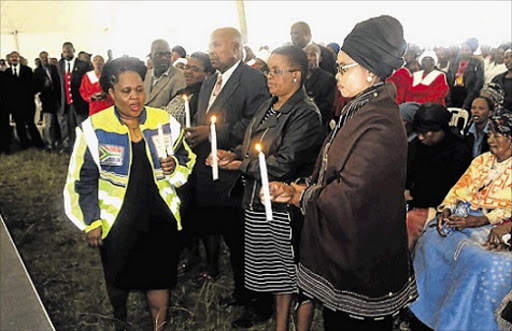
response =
{"points": [[460, 118]]}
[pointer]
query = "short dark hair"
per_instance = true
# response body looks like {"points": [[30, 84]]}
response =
{"points": [[205, 60], [180, 50], [489, 102], [111, 71], [68, 43], [296, 56], [303, 25]]}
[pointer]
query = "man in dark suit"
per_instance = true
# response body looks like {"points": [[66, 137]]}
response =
{"points": [[73, 109], [233, 95], [320, 85], [300, 33], [19, 100], [48, 85]]}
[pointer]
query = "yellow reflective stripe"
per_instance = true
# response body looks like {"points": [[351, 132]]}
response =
{"points": [[106, 216], [71, 204], [92, 226], [92, 141], [110, 200], [120, 180], [178, 177], [191, 156]]}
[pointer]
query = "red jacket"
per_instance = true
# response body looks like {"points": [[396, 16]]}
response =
{"points": [[430, 88], [91, 85], [402, 78]]}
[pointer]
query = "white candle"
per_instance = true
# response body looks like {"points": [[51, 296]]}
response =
{"points": [[161, 143], [187, 112], [264, 182], [213, 140]]}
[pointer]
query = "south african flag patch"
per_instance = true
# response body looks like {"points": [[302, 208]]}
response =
{"points": [[111, 155]]}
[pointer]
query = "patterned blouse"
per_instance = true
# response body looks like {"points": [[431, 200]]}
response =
{"points": [[486, 185]]}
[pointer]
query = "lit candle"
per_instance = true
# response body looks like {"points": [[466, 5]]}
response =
{"points": [[264, 182], [213, 140], [161, 143], [187, 111]]}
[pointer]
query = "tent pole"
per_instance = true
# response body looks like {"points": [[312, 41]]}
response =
{"points": [[241, 19], [16, 40]]}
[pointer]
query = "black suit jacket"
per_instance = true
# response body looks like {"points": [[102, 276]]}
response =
{"points": [[473, 80], [78, 71], [321, 87], [20, 90], [49, 87], [234, 108], [328, 62]]}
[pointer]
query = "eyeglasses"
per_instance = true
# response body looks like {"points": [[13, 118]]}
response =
{"points": [[273, 72], [193, 69], [344, 68]]}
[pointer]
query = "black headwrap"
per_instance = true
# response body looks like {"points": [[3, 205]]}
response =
{"points": [[503, 123], [377, 44], [431, 117]]}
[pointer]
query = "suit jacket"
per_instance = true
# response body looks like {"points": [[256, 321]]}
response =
{"points": [[49, 87], [165, 89], [473, 80], [234, 108], [77, 73], [20, 90], [321, 87], [328, 62]]}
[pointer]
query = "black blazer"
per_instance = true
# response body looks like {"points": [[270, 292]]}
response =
{"points": [[234, 108], [321, 87], [48, 87], [473, 80], [20, 90], [78, 71]]}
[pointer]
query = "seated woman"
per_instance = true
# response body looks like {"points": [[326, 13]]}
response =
{"points": [[429, 84], [289, 128], [460, 283], [437, 158]]}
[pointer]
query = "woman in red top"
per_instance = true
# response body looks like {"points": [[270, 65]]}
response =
{"points": [[90, 90], [429, 84]]}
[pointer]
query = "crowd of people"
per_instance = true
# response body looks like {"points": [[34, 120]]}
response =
{"points": [[382, 202]]}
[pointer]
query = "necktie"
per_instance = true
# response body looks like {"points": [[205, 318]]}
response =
{"points": [[216, 91], [15, 73], [69, 67]]}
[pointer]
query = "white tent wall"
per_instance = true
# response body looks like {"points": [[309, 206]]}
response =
{"points": [[128, 27]]}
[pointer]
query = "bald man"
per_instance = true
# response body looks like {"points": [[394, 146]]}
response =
{"points": [[300, 33], [233, 94], [163, 81]]}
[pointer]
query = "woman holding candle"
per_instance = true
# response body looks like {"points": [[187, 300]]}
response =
{"points": [[196, 71], [121, 190], [353, 251], [288, 130]]}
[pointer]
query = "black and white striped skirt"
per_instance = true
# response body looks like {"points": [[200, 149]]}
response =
{"points": [[269, 255]]}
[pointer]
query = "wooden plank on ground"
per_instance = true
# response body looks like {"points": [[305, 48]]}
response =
{"points": [[20, 305]]}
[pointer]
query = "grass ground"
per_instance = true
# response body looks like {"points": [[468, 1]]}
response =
{"points": [[68, 274]]}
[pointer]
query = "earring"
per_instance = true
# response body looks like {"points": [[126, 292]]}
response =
{"points": [[295, 80], [369, 79]]}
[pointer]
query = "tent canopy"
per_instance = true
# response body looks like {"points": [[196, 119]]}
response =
{"points": [[128, 27]]}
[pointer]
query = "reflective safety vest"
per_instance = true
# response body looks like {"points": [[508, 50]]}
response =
{"points": [[99, 168]]}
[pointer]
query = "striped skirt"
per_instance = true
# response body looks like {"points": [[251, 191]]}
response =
{"points": [[269, 255]]}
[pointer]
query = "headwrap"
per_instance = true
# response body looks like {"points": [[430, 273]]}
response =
{"points": [[430, 54], [472, 43], [377, 44], [335, 47], [408, 110], [431, 117], [180, 60], [503, 123], [497, 95]]}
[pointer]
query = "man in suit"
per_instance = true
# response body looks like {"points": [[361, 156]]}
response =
{"points": [[320, 85], [300, 33], [19, 100], [233, 95], [48, 85], [73, 109], [163, 81]]}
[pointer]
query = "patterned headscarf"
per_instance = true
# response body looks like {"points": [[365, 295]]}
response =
{"points": [[496, 94], [503, 123]]}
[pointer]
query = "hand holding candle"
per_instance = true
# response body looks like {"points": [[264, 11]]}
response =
{"points": [[213, 141], [264, 182]]}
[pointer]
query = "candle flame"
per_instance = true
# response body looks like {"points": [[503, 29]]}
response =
{"points": [[258, 147], [213, 119], [185, 97]]}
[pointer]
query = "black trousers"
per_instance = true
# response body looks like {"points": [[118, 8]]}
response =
{"points": [[24, 119], [338, 321], [5, 129]]}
